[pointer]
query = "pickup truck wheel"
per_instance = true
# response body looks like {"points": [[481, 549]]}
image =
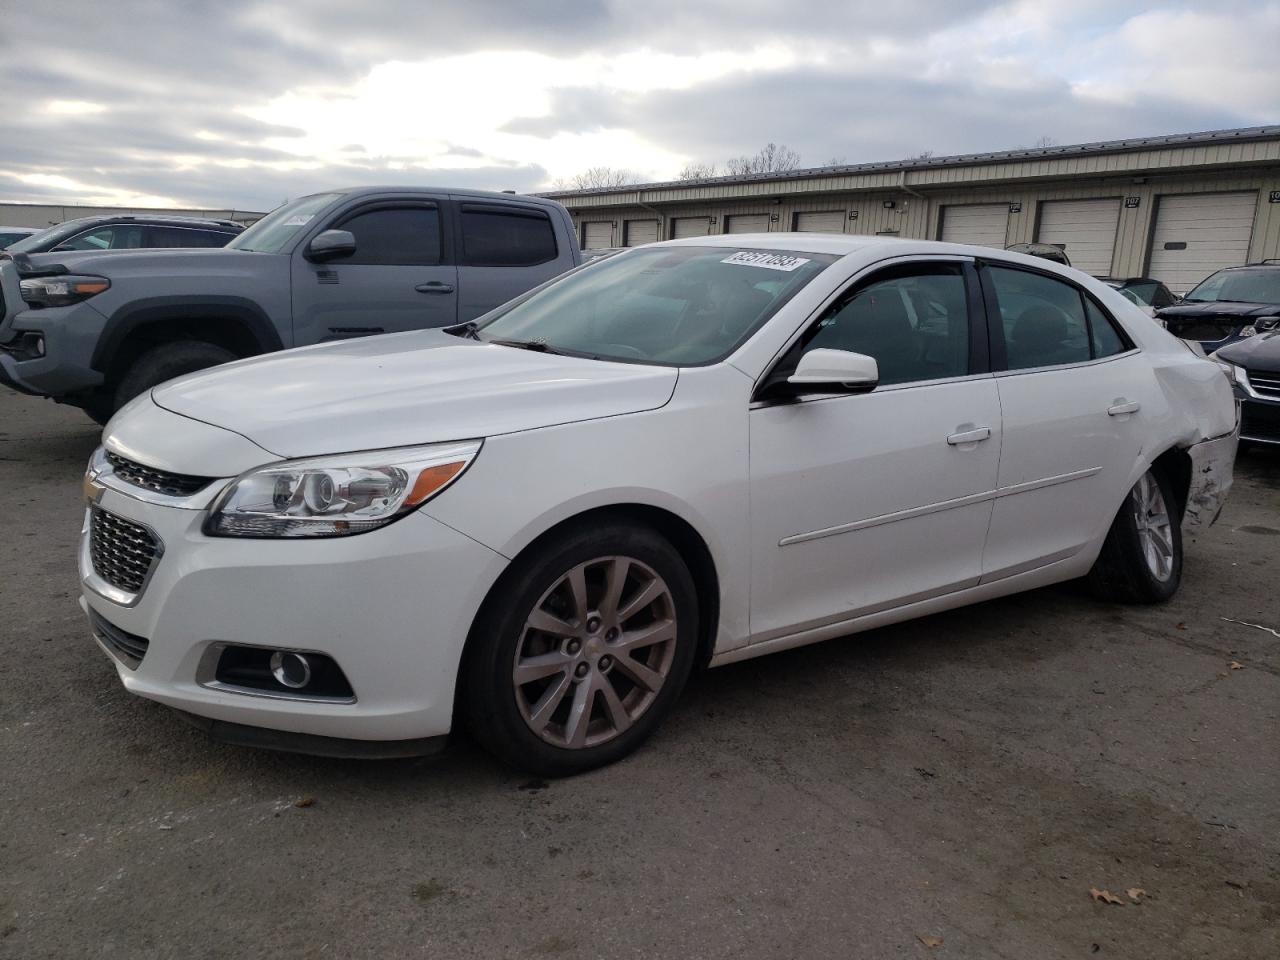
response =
{"points": [[166, 362], [1141, 560], [581, 650]]}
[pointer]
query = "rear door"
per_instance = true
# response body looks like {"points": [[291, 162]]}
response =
{"points": [[504, 249], [401, 276], [1073, 392]]}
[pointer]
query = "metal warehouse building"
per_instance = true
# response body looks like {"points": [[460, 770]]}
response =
{"points": [[47, 214], [1175, 208]]}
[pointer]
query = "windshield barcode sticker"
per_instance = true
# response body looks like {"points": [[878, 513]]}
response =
{"points": [[299, 220], [770, 261]]}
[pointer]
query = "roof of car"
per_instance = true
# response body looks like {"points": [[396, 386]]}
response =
{"points": [[448, 191]]}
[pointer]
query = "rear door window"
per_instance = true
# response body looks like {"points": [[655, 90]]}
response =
{"points": [[185, 237], [118, 237], [496, 237], [1048, 322]]}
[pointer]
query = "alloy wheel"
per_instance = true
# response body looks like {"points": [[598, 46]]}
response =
{"points": [[595, 651], [1155, 531]]}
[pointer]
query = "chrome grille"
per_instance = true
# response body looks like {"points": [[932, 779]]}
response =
{"points": [[122, 552], [1265, 383], [151, 478], [127, 647]]}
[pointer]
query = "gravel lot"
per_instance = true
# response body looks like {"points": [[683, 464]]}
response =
{"points": [[967, 777]]}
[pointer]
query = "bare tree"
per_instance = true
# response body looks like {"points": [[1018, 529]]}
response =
{"points": [[596, 177], [839, 161], [922, 155], [696, 170], [771, 158]]}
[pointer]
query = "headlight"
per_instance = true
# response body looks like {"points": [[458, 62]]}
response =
{"points": [[61, 290], [1232, 370], [336, 496]]}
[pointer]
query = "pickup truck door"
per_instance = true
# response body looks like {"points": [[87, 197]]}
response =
{"points": [[505, 249], [401, 276]]}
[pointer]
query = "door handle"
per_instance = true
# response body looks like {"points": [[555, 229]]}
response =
{"points": [[1122, 407], [969, 436], [434, 286]]}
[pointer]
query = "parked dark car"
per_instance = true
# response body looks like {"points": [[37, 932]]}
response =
{"points": [[1143, 291], [127, 232], [1253, 366], [1230, 305], [10, 235]]}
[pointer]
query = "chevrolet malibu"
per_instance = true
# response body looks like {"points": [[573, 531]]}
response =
{"points": [[539, 523]]}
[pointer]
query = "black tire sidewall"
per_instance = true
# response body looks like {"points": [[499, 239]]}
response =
{"points": [[167, 362], [1149, 588], [491, 709]]}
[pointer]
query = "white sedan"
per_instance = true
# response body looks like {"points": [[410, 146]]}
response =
{"points": [[539, 523]]}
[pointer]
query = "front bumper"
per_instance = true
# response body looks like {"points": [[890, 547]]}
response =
{"points": [[70, 335], [392, 607], [1212, 472]]}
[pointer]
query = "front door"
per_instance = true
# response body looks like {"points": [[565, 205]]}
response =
{"points": [[863, 503], [1073, 393], [399, 278]]}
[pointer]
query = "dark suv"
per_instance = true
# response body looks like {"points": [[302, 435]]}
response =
{"points": [[1230, 305], [127, 232]]}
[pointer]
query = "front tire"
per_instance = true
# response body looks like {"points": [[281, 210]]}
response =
{"points": [[581, 650], [165, 362], [1141, 560]]}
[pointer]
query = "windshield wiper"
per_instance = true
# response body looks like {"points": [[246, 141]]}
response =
{"points": [[537, 346]]}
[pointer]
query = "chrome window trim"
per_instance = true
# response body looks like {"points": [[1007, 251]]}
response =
{"points": [[1133, 351]]}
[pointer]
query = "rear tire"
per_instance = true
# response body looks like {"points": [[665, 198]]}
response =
{"points": [[1141, 559], [164, 363], [581, 650]]}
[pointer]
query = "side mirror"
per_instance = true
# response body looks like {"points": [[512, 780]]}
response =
{"points": [[835, 371], [331, 244]]}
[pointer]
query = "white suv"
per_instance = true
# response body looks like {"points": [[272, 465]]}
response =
{"points": [[692, 452]]}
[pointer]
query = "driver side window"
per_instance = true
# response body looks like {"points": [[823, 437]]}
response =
{"points": [[913, 319]]}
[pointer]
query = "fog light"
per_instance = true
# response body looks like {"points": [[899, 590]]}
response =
{"points": [[291, 670]]}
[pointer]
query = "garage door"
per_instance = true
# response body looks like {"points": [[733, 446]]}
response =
{"points": [[597, 236], [829, 222], [1085, 229], [1197, 234], [748, 223], [682, 227], [636, 233], [983, 224]]}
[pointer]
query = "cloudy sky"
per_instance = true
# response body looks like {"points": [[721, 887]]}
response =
{"points": [[243, 104]]}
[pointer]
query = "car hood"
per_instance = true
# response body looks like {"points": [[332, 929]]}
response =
{"points": [[407, 389], [1218, 308], [145, 258], [1261, 352]]}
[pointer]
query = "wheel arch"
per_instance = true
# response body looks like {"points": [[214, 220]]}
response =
{"points": [[234, 323], [682, 535], [1175, 464]]}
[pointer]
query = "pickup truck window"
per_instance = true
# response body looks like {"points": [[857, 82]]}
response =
{"points": [[492, 237], [393, 235]]}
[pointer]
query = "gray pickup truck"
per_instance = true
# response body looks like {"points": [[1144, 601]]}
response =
{"points": [[97, 329]]}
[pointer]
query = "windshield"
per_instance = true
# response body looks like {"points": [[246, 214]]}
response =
{"points": [[668, 305], [1242, 286], [47, 238], [281, 226]]}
